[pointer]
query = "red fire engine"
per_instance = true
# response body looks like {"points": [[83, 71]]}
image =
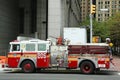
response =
{"points": [[33, 54]]}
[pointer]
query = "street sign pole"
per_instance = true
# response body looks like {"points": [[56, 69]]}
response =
{"points": [[91, 29], [91, 24]]}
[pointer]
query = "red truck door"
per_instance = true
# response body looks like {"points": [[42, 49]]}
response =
{"points": [[43, 57]]}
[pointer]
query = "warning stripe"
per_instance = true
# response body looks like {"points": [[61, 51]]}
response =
{"points": [[29, 55], [19, 55], [14, 55], [72, 59]]}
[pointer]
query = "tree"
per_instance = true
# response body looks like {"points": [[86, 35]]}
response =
{"points": [[109, 28], [114, 24], [99, 28]]}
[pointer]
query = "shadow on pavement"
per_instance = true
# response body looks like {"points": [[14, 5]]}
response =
{"points": [[102, 72]]}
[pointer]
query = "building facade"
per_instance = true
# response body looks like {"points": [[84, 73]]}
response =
{"points": [[36, 18], [8, 23], [62, 13], [85, 9], [106, 8]]}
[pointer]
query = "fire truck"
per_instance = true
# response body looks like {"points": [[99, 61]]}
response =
{"points": [[34, 54]]}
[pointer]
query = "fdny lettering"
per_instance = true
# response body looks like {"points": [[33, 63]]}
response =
{"points": [[41, 55]]}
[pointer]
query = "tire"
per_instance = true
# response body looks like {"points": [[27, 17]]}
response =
{"points": [[28, 67], [87, 67]]}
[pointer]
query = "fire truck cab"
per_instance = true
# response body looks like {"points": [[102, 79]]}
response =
{"points": [[29, 55], [33, 54]]}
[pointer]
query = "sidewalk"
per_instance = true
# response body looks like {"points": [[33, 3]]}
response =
{"points": [[116, 61]]}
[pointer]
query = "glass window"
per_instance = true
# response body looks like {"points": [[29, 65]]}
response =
{"points": [[105, 14], [30, 47], [98, 2], [105, 2], [106, 6], [98, 15], [16, 47], [41, 47], [98, 19]]}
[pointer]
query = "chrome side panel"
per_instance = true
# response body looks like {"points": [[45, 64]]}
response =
{"points": [[59, 56]]}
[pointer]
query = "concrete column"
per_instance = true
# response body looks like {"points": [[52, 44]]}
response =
{"points": [[41, 19], [27, 15], [8, 23], [54, 18]]}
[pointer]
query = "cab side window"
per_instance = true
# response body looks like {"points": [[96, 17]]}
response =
{"points": [[16, 47], [30, 47], [41, 47]]}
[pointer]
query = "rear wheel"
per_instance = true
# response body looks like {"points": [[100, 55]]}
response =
{"points": [[28, 67], [87, 67]]}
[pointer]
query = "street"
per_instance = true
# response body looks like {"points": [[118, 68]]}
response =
{"points": [[59, 39], [102, 75]]}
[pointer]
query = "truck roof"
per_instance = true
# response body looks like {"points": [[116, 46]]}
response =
{"points": [[94, 44], [29, 41]]}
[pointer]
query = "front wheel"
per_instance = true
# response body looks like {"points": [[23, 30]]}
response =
{"points": [[87, 67], [28, 67]]}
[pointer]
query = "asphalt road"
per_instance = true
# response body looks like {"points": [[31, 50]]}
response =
{"points": [[103, 75]]}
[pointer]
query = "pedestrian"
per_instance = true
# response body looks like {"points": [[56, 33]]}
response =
{"points": [[108, 41]]}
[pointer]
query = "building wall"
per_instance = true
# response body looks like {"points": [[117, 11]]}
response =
{"points": [[113, 6], [75, 18], [54, 18], [85, 9], [26, 5], [8, 23], [40, 13], [27, 13], [62, 13], [41, 18]]}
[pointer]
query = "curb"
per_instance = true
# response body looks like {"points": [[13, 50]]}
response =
{"points": [[9, 69]]}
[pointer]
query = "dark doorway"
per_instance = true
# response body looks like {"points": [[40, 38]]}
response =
{"points": [[21, 19], [33, 15]]}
